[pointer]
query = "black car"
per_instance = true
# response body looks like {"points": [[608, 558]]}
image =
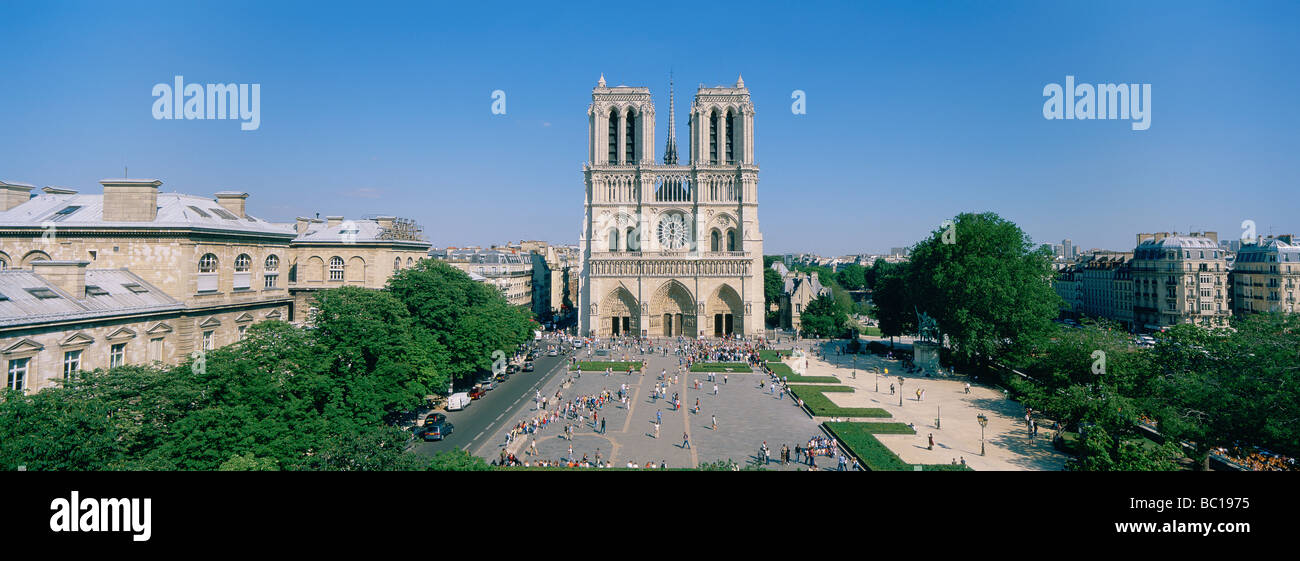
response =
{"points": [[437, 430], [528, 366]]}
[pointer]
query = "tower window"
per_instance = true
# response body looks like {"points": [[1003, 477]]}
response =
{"points": [[629, 152], [713, 137], [613, 137], [731, 133]]}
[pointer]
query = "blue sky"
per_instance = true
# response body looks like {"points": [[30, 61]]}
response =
{"points": [[915, 111]]}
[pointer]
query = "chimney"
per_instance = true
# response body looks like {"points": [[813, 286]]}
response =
{"points": [[130, 200], [232, 201], [14, 194], [385, 222], [68, 276], [1212, 235], [332, 221], [302, 225]]}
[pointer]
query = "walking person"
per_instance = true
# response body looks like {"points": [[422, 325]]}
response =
{"points": [[656, 430], [602, 425], [715, 422], [686, 440], [931, 442]]}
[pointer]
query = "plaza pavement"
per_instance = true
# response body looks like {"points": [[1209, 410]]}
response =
{"points": [[746, 416], [1008, 446]]}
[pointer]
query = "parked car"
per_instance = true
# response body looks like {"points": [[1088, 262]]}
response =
{"points": [[553, 352], [477, 393], [458, 401], [512, 369], [487, 384], [433, 418], [528, 366], [501, 377], [437, 431]]}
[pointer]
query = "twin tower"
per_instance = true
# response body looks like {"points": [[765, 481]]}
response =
{"points": [[671, 249]]}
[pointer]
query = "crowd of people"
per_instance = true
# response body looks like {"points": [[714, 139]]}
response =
{"points": [[1257, 459]]}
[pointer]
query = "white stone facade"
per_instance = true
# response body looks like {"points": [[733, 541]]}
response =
{"points": [[671, 249]]}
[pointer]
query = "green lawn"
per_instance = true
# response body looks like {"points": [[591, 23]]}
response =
{"points": [[822, 406], [871, 331], [600, 366], [780, 369], [774, 354], [875, 456], [793, 379], [720, 367]]}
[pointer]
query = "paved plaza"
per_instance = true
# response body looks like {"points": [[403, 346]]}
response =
{"points": [[746, 414], [1008, 445]]}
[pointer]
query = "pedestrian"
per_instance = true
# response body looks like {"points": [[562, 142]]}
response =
{"points": [[931, 442], [656, 430], [715, 422], [724, 379], [602, 425], [891, 389], [715, 389], [967, 387], [686, 440]]}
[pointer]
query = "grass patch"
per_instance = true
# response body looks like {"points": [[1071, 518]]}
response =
{"points": [[780, 369], [875, 456], [813, 379], [720, 367], [871, 331], [767, 355], [822, 406], [600, 366]]}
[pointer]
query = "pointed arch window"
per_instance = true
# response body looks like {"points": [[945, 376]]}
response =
{"points": [[613, 137], [613, 240], [629, 149], [731, 239], [731, 133], [713, 137], [714, 241]]}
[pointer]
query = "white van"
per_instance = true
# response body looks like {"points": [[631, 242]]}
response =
{"points": [[457, 401]]}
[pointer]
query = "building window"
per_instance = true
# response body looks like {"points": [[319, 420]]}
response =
{"points": [[242, 330], [713, 137], [271, 271], [613, 137], [243, 277], [408, 261], [156, 349], [629, 147], [336, 268], [18, 374], [397, 263], [208, 274], [207, 340], [117, 355], [731, 133], [71, 364]]}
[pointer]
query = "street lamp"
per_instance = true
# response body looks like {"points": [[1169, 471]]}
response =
{"points": [[877, 373], [984, 422], [855, 367], [900, 391]]}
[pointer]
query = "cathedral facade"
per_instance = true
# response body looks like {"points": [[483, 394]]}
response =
{"points": [[671, 249]]}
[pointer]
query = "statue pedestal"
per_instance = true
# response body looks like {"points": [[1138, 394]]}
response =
{"points": [[925, 355]]}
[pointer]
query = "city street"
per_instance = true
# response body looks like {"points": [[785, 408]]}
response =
{"points": [[475, 423]]}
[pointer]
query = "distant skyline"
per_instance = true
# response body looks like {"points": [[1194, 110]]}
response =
{"points": [[915, 111]]}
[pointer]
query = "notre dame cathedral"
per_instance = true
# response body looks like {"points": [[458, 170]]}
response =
{"points": [[672, 248]]}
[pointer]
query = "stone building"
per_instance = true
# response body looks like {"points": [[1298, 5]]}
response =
{"points": [[671, 249], [1266, 276], [161, 274], [509, 270], [797, 290], [1179, 278]]}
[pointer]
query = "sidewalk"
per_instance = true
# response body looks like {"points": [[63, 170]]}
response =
{"points": [[1008, 446]]}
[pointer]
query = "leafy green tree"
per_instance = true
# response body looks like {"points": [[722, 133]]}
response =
{"points": [[893, 305], [986, 284], [50, 430], [823, 318], [1231, 387], [249, 462], [852, 277], [458, 460]]}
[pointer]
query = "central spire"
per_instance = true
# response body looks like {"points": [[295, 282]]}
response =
{"points": [[670, 151]]}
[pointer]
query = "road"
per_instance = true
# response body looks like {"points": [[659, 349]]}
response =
{"points": [[483, 418]]}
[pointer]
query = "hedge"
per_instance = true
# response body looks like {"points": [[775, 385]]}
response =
{"points": [[720, 367], [822, 406], [861, 440], [600, 366]]}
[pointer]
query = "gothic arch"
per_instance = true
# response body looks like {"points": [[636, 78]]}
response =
{"points": [[619, 306], [672, 310], [724, 312]]}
